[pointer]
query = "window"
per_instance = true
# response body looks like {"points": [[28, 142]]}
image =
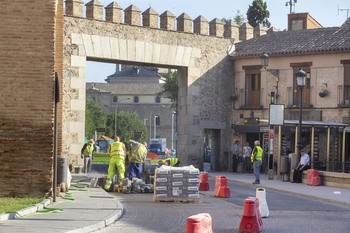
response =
{"points": [[136, 99], [346, 81], [158, 120], [115, 99], [252, 86], [306, 90], [157, 99]]}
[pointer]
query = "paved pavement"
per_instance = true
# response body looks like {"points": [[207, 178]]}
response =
{"points": [[95, 209]]}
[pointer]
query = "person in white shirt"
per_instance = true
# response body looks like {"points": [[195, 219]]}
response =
{"points": [[304, 164], [246, 152]]}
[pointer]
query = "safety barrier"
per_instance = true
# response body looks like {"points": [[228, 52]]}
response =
{"points": [[263, 208], [203, 181], [251, 220], [313, 178], [221, 187], [200, 223]]}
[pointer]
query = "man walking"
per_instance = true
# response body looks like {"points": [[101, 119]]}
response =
{"points": [[117, 153], [137, 156], [87, 154], [303, 165], [257, 160]]}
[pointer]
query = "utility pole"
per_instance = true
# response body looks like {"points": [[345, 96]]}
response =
{"points": [[347, 11]]}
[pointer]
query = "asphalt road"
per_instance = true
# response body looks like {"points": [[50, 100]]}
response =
{"points": [[287, 213]]}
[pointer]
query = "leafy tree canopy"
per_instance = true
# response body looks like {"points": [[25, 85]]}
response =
{"points": [[171, 88], [258, 14], [238, 19]]}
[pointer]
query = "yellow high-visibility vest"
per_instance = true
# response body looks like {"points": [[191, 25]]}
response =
{"points": [[117, 150], [173, 161], [258, 153], [88, 150], [138, 154]]}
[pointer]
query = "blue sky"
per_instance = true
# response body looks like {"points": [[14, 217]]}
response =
{"points": [[323, 11]]}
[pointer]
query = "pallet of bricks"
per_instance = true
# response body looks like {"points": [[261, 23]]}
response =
{"points": [[176, 184]]}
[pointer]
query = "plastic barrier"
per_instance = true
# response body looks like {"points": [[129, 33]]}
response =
{"points": [[313, 178], [200, 223], [251, 220], [263, 208], [221, 188], [203, 181]]}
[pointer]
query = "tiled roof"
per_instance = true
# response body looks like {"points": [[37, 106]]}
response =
{"points": [[323, 40]]}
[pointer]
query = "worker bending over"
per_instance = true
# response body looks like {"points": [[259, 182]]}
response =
{"points": [[117, 153], [173, 162], [138, 153]]}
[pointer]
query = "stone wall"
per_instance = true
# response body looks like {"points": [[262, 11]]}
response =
{"points": [[206, 77], [29, 57]]}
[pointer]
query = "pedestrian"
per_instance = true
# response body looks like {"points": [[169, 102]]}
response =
{"points": [[247, 151], [257, 160], [304, 164], [117, 161], [173, 162], [138, 153], [235, 156], [87, 153]]}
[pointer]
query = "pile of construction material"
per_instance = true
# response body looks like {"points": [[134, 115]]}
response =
{"points": [[176, 184], [134, 186]]}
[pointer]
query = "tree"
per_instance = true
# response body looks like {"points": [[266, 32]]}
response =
{"points": [[258, 14], [128, 124], [94, 117], [170, 89], [238, 19]]}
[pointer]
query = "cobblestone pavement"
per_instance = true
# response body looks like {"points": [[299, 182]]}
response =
{"points": [[287, 213]]}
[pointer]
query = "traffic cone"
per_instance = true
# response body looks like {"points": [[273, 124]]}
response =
{"points": [[263, 208], [203, 181], [251, 220]]}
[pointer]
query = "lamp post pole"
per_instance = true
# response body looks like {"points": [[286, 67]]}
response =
{"points": [[300, 74], [115, 115], [155, 126], [172, 129]]}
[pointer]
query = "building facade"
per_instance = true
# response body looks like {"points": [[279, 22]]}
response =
{"points": [[135, 89]]}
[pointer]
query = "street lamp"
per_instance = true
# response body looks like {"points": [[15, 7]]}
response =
{"points": [[300, 74], [155, 126], [172, 129], [115, 115], [265, 63]]}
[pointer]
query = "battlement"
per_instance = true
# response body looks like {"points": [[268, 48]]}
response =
{"points": [[168, 21]]}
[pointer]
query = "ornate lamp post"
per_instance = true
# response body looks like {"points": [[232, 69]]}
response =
{"points": [[300, 74]]}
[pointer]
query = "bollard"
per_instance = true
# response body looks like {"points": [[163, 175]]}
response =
{"points": [[263, 208], [251, 220], [221, 187], [203, 181], [313, 178], [200, 223]]}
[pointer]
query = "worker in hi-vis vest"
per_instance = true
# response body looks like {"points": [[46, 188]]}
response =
{"points": [[138, 153], [87, 153], [257, 161], [173, 162], [117, 161]]}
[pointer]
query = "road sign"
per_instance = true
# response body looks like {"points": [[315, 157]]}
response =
{"points": [[101, 130]]}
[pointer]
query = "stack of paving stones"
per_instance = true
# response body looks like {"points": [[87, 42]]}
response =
{"points": [[176, 184]]}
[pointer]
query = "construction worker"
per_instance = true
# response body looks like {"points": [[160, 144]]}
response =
{"points": [[173, 162], [257, 161], [137, 156], [117, 161], [87, 153]]}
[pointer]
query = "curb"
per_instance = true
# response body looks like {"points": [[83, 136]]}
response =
{"points": [[26, 211]]}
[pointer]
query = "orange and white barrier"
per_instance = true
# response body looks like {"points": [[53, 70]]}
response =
{"points": [[313, 178], [203, 181], [251, 220], [221, 187], [200, 223]]}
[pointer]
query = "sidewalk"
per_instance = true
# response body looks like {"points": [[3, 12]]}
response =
{"points": [[90, 210], [325, 193]]}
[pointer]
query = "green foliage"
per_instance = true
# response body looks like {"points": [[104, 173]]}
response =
{"points": [[17, 203], [171, 88], [101, 154], [101, 159], [127, 123], [94, 117], [258, 14], [238, 19]]}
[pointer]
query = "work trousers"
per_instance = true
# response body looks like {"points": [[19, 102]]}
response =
{"points": [[235, 162], [116, 163], [298, 174], [135, 168], [87, 164], [256, 166]]}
